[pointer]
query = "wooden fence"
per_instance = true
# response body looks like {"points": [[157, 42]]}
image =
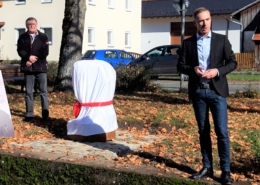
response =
{"points": [[245, 60], [136, 55]]}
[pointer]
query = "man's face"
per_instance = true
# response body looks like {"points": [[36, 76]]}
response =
{"points": [[31, 26], [203, 23]]}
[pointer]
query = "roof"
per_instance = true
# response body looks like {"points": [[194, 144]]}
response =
{"points": [[236, 14], [164, 8]]}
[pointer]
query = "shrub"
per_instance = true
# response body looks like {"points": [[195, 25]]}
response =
{"points": [[133, 78], [248, 93], [15, 61], [52, 72]]}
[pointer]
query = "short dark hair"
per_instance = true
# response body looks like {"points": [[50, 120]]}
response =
{"points": [[30, 19], [199, 10]]}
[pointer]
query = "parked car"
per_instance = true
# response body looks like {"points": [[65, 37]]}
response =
{"points": [[112, 56], [162, 59]]}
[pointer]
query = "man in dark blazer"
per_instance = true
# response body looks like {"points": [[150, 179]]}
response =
{"points": [[207, 58]]}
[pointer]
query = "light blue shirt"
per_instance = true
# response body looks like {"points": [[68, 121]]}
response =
{"points": [[203, 45]]}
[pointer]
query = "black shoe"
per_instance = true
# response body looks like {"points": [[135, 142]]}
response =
{"points": [[203, 173], [28, 119], [226, 178], [44, 120]]}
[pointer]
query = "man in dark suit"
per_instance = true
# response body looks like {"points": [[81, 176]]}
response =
{"points": [[207, 58]]}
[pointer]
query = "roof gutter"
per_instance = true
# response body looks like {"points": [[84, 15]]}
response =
{"points": [[245, 7], [236, 21], [232, 16]]}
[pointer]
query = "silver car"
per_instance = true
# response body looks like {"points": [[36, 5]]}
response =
{"points": [[162, 59]]}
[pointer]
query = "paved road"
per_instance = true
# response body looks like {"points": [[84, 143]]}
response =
{"points": [[174, 85]]}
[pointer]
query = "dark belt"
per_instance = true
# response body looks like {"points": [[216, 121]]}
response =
{"points": [[205, 85]]}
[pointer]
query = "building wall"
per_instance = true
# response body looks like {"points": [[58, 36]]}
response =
{"points": [[156, 31], [98, 15], [47, 14], [118, 20], [223, 25], [250, 19]]}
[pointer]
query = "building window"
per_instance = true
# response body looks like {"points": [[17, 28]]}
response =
{"points": [[92, 2], [46, 1], [127, 39], [128, 5], [48, 32], [18, 32], [110, 38], [20, 1], [91, 36], [110, 3]]}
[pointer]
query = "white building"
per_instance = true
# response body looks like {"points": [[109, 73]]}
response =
{"points": [[161, 23], [156, 32], [108, 24]]}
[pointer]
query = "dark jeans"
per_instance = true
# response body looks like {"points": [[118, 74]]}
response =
{"points": [[203, 101], [41, 79]]}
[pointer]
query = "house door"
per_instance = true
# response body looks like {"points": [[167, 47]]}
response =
{"points": [[190, 30]]}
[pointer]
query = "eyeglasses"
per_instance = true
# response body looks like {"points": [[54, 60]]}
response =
{"points": [[31, 24]]}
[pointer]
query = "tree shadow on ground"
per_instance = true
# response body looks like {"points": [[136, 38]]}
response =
{"points": [[249, 110], [168, 162], [155, 97], [58, 127]]}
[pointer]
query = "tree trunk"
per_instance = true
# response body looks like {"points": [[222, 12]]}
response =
{"points": [[71, 43]]}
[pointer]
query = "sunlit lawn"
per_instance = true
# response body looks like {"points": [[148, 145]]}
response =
{"points": [[169, 114]]}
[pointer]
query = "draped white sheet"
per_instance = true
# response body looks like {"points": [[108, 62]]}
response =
{"points": [[93, 81]]}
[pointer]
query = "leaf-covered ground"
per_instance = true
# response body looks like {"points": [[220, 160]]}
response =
{"points": [[169, 115]]}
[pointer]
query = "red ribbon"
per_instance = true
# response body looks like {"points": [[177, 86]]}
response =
{"points": [[77, 106]]}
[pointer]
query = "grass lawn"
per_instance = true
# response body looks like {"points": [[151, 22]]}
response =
{"points": [[162, 113], [244, 77]]}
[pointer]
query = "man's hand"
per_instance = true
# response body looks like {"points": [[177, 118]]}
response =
{"points": [[33, 58], [209, 74], [199, 70], [28, 63]]}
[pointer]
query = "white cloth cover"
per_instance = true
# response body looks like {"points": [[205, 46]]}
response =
{"points": [[93, 81]]}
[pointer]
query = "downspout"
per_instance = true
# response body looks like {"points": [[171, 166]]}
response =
{"points": [[241, 34], [227, 26]]}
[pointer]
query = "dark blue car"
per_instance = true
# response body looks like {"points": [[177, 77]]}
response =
{"points": [[162, 59], [112, 56]]}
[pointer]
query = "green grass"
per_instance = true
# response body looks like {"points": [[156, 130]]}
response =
{"points": [[32, 132], [130, 119], [178, 123], [243, 77], [231, 76]]}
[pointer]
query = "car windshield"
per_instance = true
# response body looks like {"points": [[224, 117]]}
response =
{"points": [[89, 54], [156, 52]]}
